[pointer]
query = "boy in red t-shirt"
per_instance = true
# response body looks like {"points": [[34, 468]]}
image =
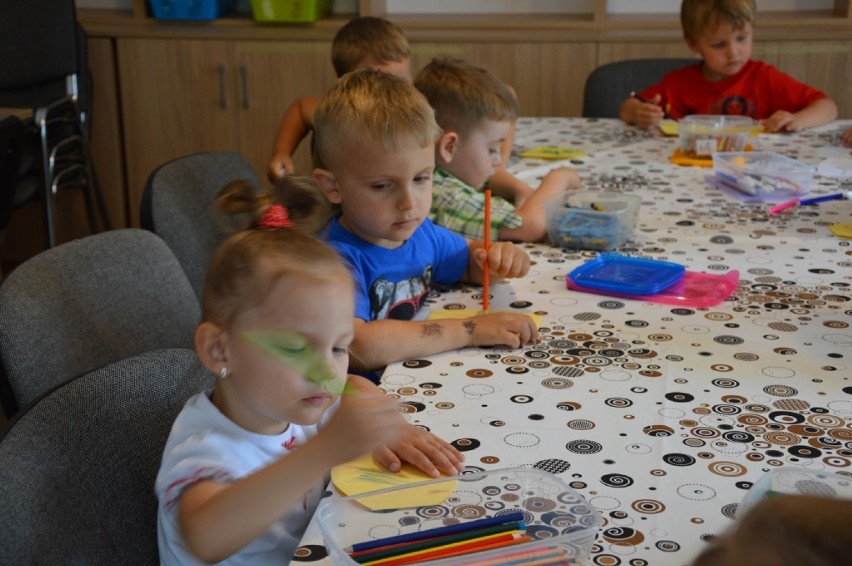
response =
{"points": [[727, 80]]}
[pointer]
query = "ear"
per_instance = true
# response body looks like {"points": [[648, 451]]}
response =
{"points": [[328, 185], [692, 46], [446, 147], [211, 346]]}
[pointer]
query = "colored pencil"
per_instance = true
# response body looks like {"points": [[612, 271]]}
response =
{"points": [[439, 531], [480, 544], [486, 288], [526, 557], [403, 548]]}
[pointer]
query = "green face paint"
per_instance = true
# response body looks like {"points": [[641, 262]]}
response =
{"points": [[295, 351]]}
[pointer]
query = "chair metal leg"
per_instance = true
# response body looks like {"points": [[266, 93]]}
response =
{"points": [[47, 181], [63, 160]]}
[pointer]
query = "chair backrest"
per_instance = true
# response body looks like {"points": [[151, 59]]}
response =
{"points": [[608, 85], [79, 464], [89, 302], [178, 204], [40, 45], [12, 135]]}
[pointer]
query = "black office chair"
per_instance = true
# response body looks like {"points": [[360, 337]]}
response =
{"points": [[12, 133], [88, 302], [42, 48], [178, 205], [79, 463], [608, 85]]}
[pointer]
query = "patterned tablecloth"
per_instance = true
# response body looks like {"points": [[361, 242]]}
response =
{"points": [[661, 416]]}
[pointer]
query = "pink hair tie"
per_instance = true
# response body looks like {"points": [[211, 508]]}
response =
{"points": [[276, 216]]}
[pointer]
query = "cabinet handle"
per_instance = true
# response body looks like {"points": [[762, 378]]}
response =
{"points": [[244, 80], [223, 93]]}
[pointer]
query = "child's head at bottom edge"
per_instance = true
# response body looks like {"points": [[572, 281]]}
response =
{"points": [[277, 321], [786, 530], [375, 136]]}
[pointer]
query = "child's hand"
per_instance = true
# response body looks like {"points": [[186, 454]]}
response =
{"points": [[422, 449], [505, 259], [280, 166], [365, 420], [501, 329], [781, 121], [560, 180], [647, 114], [847, 138]]}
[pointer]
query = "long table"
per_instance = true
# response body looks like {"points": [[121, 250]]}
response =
{"points": [[661, 416]]}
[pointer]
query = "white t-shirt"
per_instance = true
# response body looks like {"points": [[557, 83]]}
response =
{"points": [[205, 444]]}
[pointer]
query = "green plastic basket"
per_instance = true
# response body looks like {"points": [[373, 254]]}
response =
{"points": [[289, 10]]}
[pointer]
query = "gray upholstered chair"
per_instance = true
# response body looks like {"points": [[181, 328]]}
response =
{"points": [[88, 302], [608, 85], [79, 464], [178, 205]]}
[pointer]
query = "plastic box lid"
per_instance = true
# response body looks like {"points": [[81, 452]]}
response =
{"points": [[695, 289], [556, 516], [627, 275]]}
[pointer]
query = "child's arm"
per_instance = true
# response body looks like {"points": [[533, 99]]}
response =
{"points": [[816, 113], [381, 342], [295, 125], [534, 227], [504, 184], [847, 138], [642, 114], [218, 519]]}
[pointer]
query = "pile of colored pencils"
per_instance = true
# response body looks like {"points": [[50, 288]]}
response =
{"points": [[461, 539]]}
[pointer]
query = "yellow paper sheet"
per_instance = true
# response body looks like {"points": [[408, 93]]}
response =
{"points": [[841, 230], [670, 128], [437, 314], [553, 152], [363, 475]]}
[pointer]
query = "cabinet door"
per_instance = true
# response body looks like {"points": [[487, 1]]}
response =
{"points": [[273, 74], [178, 97], [547, 77]]}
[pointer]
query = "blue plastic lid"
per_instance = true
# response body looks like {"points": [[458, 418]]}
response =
{"points": [[629, 275]]}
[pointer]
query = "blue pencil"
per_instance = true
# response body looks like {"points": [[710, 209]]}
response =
{"points": [[449, 529]]}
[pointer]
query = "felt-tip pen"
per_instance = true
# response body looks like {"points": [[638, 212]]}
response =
{"points": [[806, 201], [666, 115], [835, 196]]}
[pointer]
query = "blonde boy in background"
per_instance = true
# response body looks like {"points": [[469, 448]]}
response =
{"points": [[727, 80], [476, 111], [375, 139], [364, 42]]}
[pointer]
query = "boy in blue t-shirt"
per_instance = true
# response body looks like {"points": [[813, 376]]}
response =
{"points": [[375, 137]]}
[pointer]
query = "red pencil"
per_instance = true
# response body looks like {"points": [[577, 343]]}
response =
{"points": [[486, 291]]}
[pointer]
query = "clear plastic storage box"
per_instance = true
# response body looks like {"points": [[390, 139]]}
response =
{"points": [[557, 518], [702, 135], [591, 220], [796, 481], [763, 173]]}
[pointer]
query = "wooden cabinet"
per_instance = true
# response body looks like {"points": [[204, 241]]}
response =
{"points": [[182, 96]]}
